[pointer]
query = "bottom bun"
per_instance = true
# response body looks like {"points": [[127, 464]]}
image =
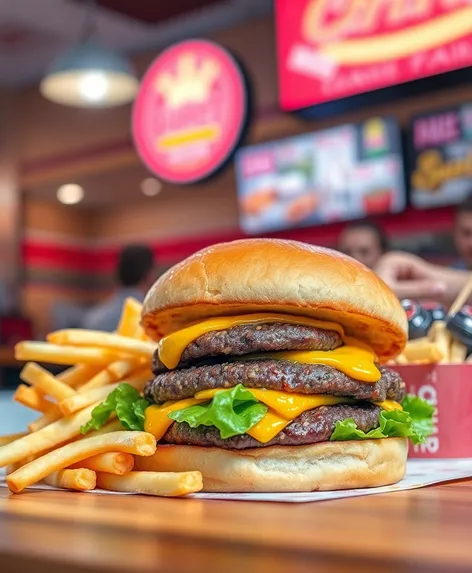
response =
{"points": [[318, 467]]}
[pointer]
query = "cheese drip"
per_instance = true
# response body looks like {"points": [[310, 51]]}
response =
{"points": [[354, 359]]}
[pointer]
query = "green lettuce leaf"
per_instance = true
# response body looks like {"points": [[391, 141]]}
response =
{"points": [[421, 413], [414, 422], [128, 405], [232, 411]]}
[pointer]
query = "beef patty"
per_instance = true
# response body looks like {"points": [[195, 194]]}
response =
{"points": [[250, 338], [309, 428], [275, 375]]}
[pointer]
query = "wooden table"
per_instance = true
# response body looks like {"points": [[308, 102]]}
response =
{"points": [[423, 530]]}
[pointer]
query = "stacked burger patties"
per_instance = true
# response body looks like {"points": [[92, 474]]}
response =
{"points": [[268, 376], [210, 362]]}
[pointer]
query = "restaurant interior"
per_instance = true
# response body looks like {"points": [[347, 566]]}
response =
{"points": [[136, 133], [75, 187]]}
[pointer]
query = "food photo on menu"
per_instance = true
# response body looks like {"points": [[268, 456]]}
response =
{"points": [[343, 173]]}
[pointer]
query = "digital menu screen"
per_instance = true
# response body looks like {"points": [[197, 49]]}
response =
{"points": [[441, 157], [343, 173]]}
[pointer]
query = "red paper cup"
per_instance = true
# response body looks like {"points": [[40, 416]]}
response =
{"points": [[449, 388]]}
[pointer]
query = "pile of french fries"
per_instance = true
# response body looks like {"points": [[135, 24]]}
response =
{"points": [[439, 347], [53, 450]]}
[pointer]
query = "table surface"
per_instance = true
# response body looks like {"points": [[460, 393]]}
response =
{"points": [[429, 529]]}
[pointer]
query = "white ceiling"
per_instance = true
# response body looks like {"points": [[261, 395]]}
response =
{"points": [[33, 32]]}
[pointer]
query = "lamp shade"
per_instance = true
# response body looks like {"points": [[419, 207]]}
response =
{"points": [[90, 75]]}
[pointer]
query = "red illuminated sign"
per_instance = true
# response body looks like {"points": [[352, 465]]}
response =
{"points": [[332, 49], [190, 112]]}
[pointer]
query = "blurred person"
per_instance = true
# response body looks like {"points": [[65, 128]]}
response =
{"points": [[463, 234], [135, 274], [412, 277], [364, 241]]}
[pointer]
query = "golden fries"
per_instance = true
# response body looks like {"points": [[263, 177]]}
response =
{"points": [[137, 443], [437, 347], [113, 426], [111, 463], [67, 355], [130, 318], [458, 352], [86, 397], [153, 483], [32, 398], [79, 375], [112, 342], [52, 435], [4, 440], [47, 418], [81, 479], [112, 373], [42, 379], [54, 450], [428, 351]]}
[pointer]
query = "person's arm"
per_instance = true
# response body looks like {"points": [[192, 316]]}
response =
{"points": [[410, 276]]}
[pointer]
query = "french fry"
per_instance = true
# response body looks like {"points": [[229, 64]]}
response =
{"points": [[4, 440], [67, 355], [130, 318], [17, 465], [79, 375], [45, 381], [106, 340], [122, 368], [112, 373], [458, 352], [32, 398], [113, 426], [81, 479], [52, 435], [428, 352], [137, 443], [110, 463], [166, 484], [442, 339], [47, 418], [86, 397], [401, 359]]}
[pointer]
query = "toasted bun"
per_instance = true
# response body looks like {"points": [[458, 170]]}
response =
{"points": [[269, 275], [319, 467]]}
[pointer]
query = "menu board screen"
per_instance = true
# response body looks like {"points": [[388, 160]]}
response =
{"points": [[441, 148], [343, 173]]}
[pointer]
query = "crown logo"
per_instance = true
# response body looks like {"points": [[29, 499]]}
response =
{"points": [[192, 82]]}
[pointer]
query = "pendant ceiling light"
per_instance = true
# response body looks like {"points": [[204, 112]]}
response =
{"points": [[90, 75]]}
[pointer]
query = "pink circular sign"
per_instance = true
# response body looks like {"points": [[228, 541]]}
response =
{"points": [[190, 111]]}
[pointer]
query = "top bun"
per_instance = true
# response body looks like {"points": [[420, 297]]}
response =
{"points": [[271, 275]]}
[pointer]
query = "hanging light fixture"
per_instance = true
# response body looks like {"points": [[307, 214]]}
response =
{"points": [[90, 75]]}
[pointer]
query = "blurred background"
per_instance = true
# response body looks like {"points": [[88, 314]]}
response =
{"points": [[175, 125]]}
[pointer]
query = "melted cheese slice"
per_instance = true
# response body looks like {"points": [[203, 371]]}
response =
{"points": [[283, 408], [156, 418], [355, 362], [354, 359], [171, 347], [287, 405], [267, 428]]}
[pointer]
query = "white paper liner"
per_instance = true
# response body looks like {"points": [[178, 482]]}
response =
{"points": [[419, 473]]}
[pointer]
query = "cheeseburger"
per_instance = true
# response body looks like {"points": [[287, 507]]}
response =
{"points": [[268, 373]]}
